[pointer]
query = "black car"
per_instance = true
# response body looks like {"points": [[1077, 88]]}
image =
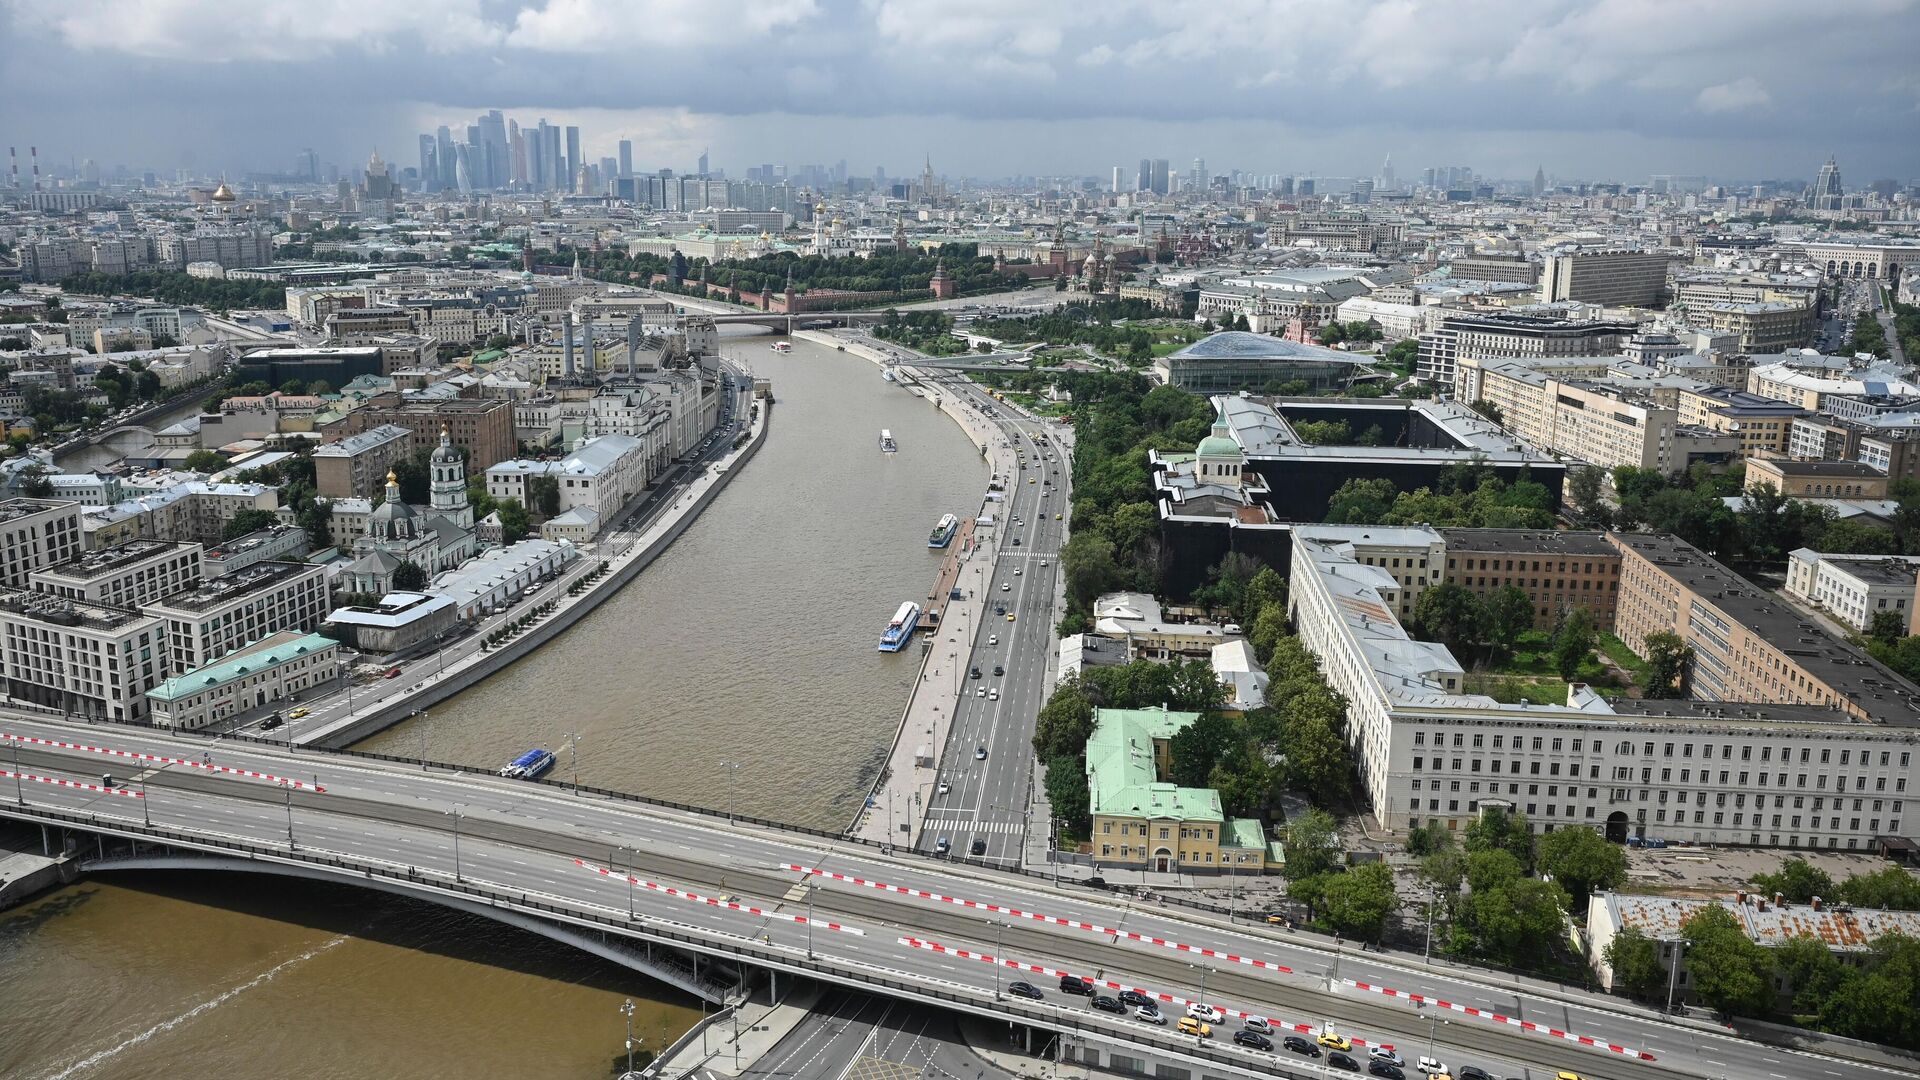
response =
{"points": [[1253, 1039], [1382, 1068], [974, 674], [1134, 998], [1300, 1046], [999, 669], [979, 847], [1095, 883], [999, 609], [1472, 1072], [1026, 990], [1073, 984], [272, 721], [1016, 541], [1341, 1061], [1107, 1004]]}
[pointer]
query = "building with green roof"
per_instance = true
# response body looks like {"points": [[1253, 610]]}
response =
{"points": [[250, 677], [1142, 820]]}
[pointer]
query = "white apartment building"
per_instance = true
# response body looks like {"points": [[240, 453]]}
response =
{"points": [[85, 659], [1854, 588], [597, 478], [127, 576], [220, 615], [1716, 772], [274, 668], [35, 534]]}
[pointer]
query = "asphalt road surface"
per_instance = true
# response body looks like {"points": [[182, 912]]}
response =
{"points": [[516, 837]]}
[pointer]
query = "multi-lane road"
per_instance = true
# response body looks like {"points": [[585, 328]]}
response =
{"points": [[979, 805], [926, 926]]}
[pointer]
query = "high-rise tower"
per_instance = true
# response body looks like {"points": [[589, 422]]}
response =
{"points": [[1827, 192]]}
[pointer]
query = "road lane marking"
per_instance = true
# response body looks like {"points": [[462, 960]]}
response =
{"points": [[714, 901], [1052, 920], [136, 755], [1501, 1018], [1157, 995]]}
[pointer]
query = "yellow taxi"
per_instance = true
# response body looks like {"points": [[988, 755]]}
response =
{"points": [[1029, 479], [1056, 517], [1009, 616], [1333, 1041], [1199, 1028], [1564, 1075], [295, 714]]}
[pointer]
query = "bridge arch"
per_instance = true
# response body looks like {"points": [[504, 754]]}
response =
{"points": [[656, 962]]}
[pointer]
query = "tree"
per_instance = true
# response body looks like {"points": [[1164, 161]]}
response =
{"points": [[1316, 748], [1585, 488], [1064, 723], [1268, 628], [1797, 881], [1669, 659], [1573, 642], [1497, 830], [1358, 902], [1067, 793], [1509, 613], [1730, 972], [317, 518], [204, 461], [1198, 747], [1809, 970], [1890, 887], [409, 577], [514, 522], [1518, 920], [1489, 410], [1087, 561], [36, 484], [1635, 960], [544, 491], [246, 521], [1581, 860], [1887, 627], [1312, 844], [1267, 588], [1429, 839], [1452, 614]]}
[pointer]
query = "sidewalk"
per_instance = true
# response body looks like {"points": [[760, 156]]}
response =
{"points": [[906, 782], [710, 1045]]}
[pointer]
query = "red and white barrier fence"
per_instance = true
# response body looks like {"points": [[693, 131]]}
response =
{"points": [[714, 901], [1502, 1018], [1156, 995], [77, 784], [1052, 920], [160, 759]]}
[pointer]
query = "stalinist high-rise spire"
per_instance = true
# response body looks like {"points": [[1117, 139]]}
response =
{"points": [[1539, 180]]}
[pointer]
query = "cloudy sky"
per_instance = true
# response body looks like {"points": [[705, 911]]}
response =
{"points": [[1600, 89]]}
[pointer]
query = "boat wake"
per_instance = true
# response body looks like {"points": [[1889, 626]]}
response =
{"points": [[100, 1057]]}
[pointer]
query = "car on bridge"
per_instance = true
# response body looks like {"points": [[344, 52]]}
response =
{"points": [[1138, 999], [1190, 1026], [1300, 1046], [1074, 984], [1109, 1005], [1253, 1039], [1026, 990], [1341, 1061], [1200, 1010], [1334, 1041], [1149, 1014]]}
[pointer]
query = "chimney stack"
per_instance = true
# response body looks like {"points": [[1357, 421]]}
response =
{"points": [[1779, 899], [35, 151], [13, 157], [566, 364], [633, 347], [1816, 903]]}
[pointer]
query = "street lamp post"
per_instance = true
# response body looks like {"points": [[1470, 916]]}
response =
{"points": [[627, 1009], [809, 922], [19, 792], [1427, 955], [999, 941], [455, 814], [1673, 970], [425, 725], [573, 756], [733, 774], [1204, 971], [612, 860], [287, 786]]}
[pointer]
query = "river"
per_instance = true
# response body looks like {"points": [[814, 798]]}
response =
{"points": [[750, 642]]}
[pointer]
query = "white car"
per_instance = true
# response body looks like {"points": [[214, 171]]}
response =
{"points": [[1201, 1011], [945, 787], [1381, 1053], [993, 639], [1430, 1066], [993, 694], [1150, 1014], [1016, 573], [982, 692], [1006, 586]]}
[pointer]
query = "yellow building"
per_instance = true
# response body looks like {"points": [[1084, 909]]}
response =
{"points": [[1141, 819]]}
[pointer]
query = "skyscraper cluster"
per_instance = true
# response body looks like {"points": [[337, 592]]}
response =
{"points": [[499, 155]]}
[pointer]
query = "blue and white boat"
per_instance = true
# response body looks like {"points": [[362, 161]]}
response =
{"points": [[533, 763], [900, 630], [943, 532], [887, 445]]}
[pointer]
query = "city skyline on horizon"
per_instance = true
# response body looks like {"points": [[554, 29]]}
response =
{"points": [[1607, 92]]}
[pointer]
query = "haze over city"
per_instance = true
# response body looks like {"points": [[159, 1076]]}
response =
{"points": [[1611, 91]]}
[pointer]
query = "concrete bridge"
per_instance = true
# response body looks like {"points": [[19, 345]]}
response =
{"points": [[802, 320], [641, 881]]}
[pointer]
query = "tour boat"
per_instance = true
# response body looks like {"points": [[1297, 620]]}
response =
{"points": [[528, 765], [900, 630], [887, 445], [943, 532]]}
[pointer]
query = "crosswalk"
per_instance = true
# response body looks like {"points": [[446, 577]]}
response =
{"points": [[970, 826]]}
